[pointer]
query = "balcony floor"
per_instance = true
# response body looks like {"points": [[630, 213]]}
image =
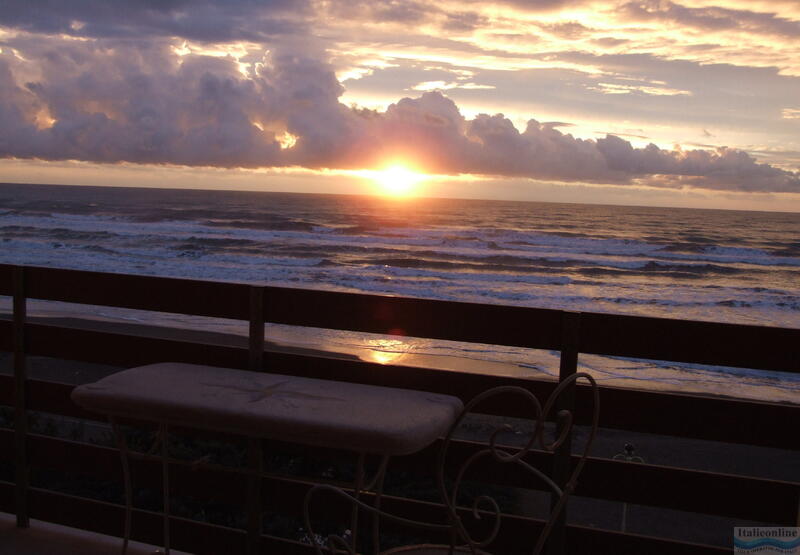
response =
{"points": [[43, 538]]}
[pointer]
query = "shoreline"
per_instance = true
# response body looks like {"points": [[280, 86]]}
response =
{"points": [[392, 352]]}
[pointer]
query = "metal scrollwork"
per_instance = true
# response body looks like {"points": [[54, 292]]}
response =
{"points": [[485, 506]]}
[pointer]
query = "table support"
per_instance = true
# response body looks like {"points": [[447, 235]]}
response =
{"points": [[378, 485], [125, 454], [359, 486]]}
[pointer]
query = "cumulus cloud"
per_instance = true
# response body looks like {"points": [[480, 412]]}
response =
{"points": [[106, 104], [125, 98], [723, 168]]}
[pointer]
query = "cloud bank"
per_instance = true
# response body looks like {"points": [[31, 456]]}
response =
{"points": [[130, 93]]}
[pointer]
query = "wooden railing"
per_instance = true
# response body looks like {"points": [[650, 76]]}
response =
{"points": [[687, 416]]}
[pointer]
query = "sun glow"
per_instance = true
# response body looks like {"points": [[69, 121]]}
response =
{"points": [[397, 180]]}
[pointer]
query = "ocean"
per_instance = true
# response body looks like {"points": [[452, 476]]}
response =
{"points": [[724, 266]]}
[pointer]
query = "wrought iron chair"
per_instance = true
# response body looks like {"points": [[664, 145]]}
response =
{"points": [[483, 506]]}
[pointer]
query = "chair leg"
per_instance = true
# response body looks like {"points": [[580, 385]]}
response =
{"points": [[165, 483], [376, 522], [126, 476], [358, 487]]}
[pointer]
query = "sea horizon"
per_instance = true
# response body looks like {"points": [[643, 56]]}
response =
{"points": [[380, 195]]}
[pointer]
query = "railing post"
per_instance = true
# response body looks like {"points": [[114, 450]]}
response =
{"points": [[256, 337], [254, 447], [20, 397], [570, 337]]}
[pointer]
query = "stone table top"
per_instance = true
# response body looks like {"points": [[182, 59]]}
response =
{"points": [[308, 411]]}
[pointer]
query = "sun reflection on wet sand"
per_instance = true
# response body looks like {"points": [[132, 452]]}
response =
{"points": [[386, 351]]}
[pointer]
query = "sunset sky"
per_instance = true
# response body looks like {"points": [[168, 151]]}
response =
{"points": [[650, 102]]}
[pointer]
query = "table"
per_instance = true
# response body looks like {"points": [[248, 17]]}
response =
{"points": [[362, 418]]}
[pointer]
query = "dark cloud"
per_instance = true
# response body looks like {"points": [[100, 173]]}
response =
{"points": [[711, 18], [405, 12], [631, 135], [610, 42], [200, 20], [567, 29], [722, 169], [214, 21], [541, 5], [394, 11], [464, 21], [703, 145], [113, 105]]}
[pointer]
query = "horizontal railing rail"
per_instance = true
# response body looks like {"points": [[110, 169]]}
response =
{"points": [[208, 539], [746, 346], [682, 415], [747, 498]]}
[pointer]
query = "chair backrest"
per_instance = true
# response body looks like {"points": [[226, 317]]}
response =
{"points": [[484, 506], [520, 456]]}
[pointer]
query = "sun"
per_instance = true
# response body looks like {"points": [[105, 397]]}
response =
{"points": [[397, 180]]}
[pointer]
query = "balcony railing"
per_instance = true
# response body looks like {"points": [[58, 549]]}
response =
{"points": [[741, 498]]}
